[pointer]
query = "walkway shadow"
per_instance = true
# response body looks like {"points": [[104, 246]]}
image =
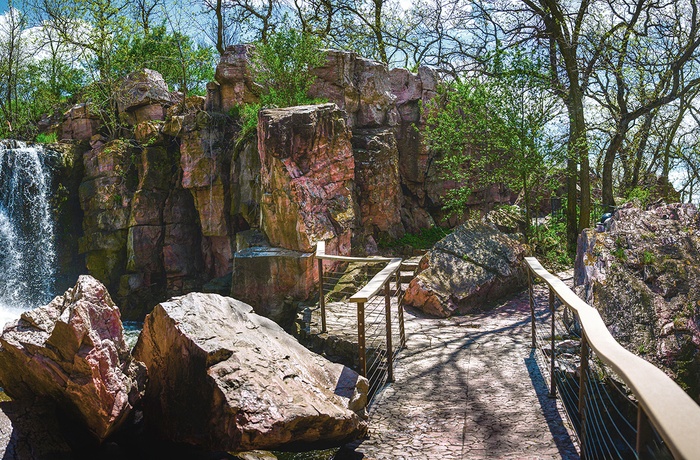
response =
{"points": [[549, 409]]}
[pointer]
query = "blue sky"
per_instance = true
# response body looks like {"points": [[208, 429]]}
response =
{"points": [[3, 6]]}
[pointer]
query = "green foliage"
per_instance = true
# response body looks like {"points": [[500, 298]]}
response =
{"points": [[619, 253], [283, 64], [549, 245], [490, 130], [641, 194], [184, 65], [648, 257], [425, 239], [46, 138]]}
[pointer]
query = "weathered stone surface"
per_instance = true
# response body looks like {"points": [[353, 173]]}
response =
{"points": [[642, 276], [145, 90], [474, 265], [30, 431], [270, 278], [357, 85], [508, 219], [79, 123], [245, 187], [248, 384], [377, 182], [72, 353], [307, 173], [233, 74]]}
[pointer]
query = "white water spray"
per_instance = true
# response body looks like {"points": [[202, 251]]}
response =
{"points": [[27, 254]]}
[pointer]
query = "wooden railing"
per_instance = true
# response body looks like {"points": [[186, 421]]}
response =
{"points": [[378, 290], [661, 403]]}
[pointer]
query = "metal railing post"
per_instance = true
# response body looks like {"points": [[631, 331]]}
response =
{"points": [[361, 338], [643, 433], [389, 348], [552, 387], [532, 306], [582, 379], [321, 297]]}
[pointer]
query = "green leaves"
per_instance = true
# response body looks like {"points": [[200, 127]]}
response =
{"points": [[282, 65]]}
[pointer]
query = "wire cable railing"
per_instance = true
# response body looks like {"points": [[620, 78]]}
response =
{"points": [[621, 406], [380, 321]]}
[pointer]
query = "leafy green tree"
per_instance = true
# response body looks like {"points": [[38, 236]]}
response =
{"points": [[490, 130], [282, 66]]}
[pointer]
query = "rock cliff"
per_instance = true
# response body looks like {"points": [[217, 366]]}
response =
{"points": [[642, 275], [162, 209]]}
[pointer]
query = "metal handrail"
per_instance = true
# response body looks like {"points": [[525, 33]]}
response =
{"points": [[672, 412], [379, 282]]}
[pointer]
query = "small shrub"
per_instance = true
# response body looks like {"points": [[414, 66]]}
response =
{"points": [[648, 258], [425, 239], [641, 194], [46, 138]]}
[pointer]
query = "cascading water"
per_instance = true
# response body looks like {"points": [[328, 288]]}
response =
{"points": [[27, 254]]}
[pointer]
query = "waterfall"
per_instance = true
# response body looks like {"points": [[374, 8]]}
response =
{"points": [[27, 254]]}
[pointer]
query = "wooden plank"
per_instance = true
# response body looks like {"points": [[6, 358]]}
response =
{"points": [[673, 413], [376, 283]]}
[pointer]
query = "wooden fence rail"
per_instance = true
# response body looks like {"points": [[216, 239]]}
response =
{"points": [[661, 402]]}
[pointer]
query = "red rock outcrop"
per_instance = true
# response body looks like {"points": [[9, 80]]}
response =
{"points": [[474, 265], [234, 77], [142, 96], [248, 384], [72, 353], [307, 173], [79, 123]]}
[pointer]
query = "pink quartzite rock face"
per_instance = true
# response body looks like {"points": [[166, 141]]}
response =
{"points": [[143, 95], [79, 123], [307, 172], [234, 77], [377, 182], [72, 353], [466, 270], [224, 378], [359, 86], [642, 275]]}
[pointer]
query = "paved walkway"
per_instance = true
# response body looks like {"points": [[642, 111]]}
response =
{"points": [[467, 388]]}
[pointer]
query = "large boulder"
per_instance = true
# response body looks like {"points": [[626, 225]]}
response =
{"points": [[307, 173], [469, 268], [72, 353], [224, 378], [143, 95], [642, 275], [79, 123]]}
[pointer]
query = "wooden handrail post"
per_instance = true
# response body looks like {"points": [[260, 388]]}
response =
{"points": [[398, 283], [389, 348], [361, 338], [582, 379], [532, 306], [643, 433], [552, 383], [321, 297]]}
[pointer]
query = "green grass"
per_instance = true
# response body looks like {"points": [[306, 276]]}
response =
{"points": [[46, 138]]}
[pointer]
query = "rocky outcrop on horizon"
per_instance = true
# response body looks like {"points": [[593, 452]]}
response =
{"points": [[225, 378], [643, 277], [71, 354], [468, 269]]}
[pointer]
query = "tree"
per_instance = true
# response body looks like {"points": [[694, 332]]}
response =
{"points": [[13, 51]]}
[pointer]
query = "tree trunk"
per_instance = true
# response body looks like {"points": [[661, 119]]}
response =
{"points": [[609, 162]]}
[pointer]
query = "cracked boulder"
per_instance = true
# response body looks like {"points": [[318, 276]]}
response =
{"points": [[72, 355], [468, 269], [223, 378]]}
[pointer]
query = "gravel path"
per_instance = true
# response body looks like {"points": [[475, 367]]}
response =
{"points": [[467, 388]]}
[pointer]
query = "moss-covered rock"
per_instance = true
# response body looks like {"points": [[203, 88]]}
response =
{"points": [[644, 278]]}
